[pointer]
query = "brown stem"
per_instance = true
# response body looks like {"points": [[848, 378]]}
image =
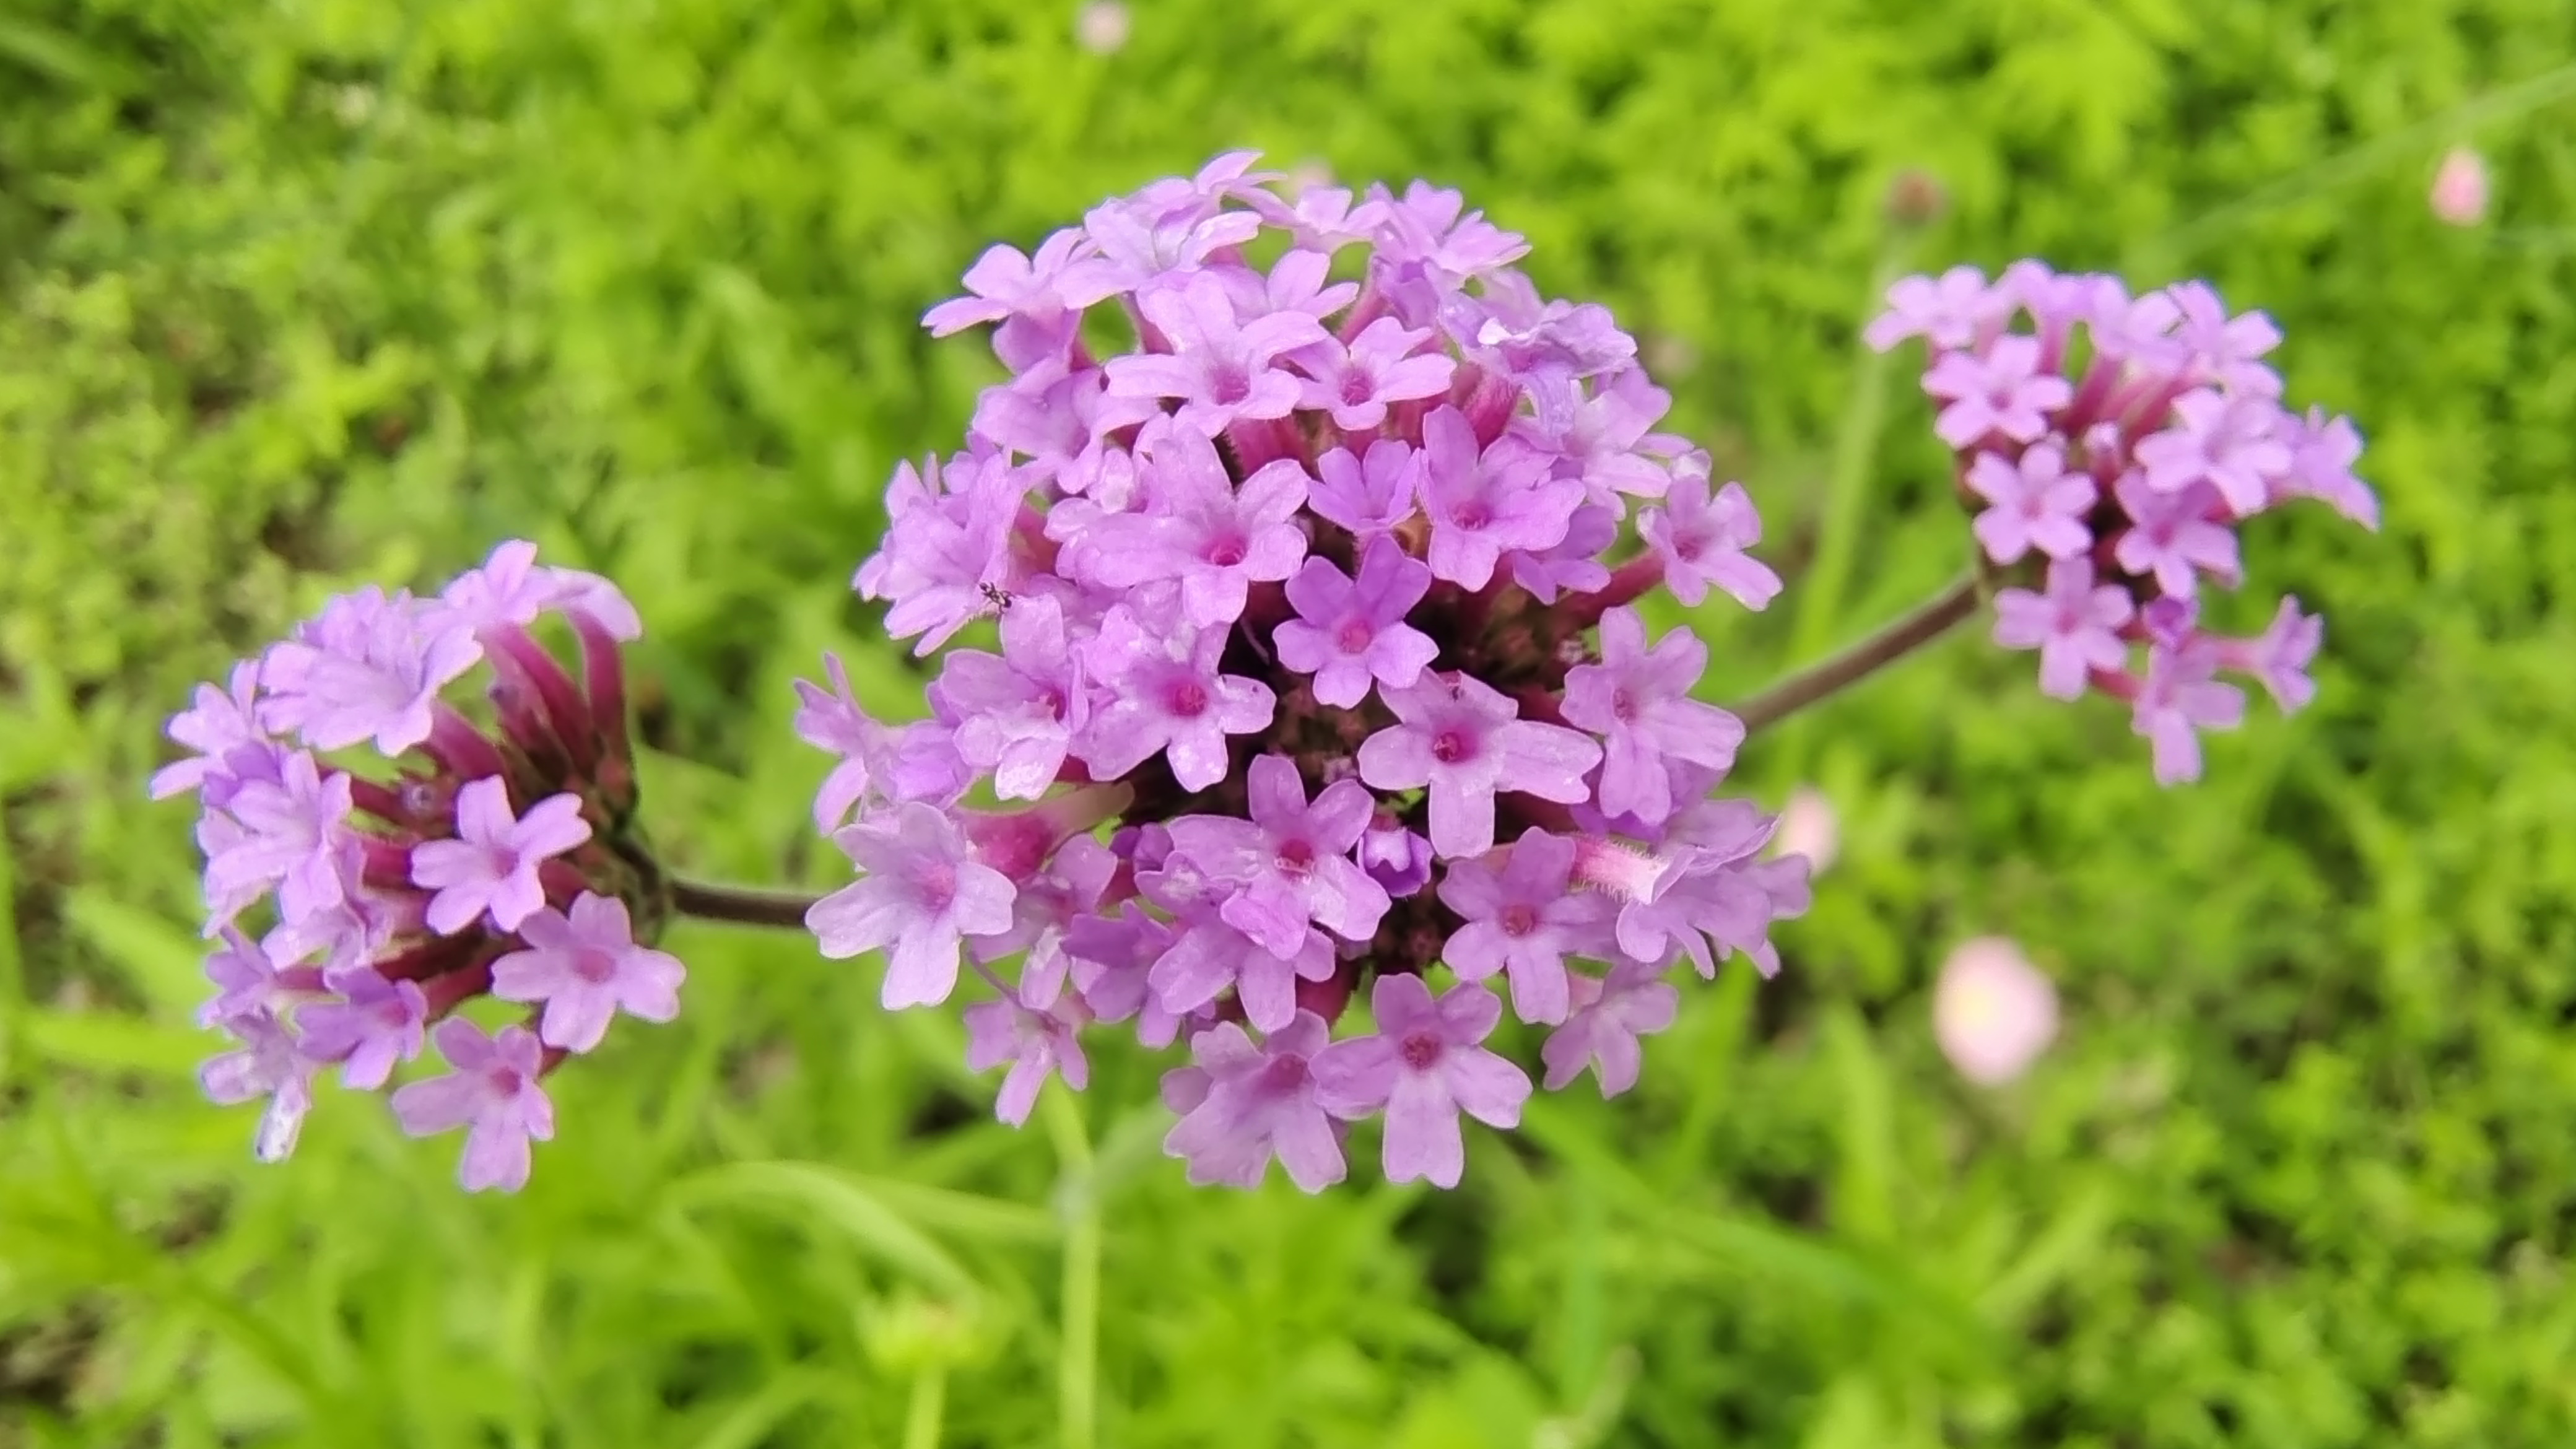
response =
{"points": [[1929, 621], [740, 905]]}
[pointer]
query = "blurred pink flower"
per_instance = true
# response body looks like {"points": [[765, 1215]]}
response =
{"points": [[1808, 827], [1101, 26], [1992, 1011], [2460, 188]]}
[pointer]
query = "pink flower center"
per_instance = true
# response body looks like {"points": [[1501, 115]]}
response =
{"points": [[1518, 920], [1296, 857], [935, 883], [1688, 546], [1420, 1050], [1284, 1074], [1623, 706], [594, 968], [1229, 384], [1358, 387], [1453, 745], [507, 1081], [1187, 699], [1471, 514], [1355, 635], [1226, 550]]}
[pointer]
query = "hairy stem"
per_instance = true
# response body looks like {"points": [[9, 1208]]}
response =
{"points": [[741, 905], [1928, 621]]}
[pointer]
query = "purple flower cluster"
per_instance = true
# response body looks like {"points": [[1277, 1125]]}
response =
{"points": [[1312, 667], [360, 896], [2119, 440]]}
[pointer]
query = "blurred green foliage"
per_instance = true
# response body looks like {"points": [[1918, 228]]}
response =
{"points": [[309, 291]]}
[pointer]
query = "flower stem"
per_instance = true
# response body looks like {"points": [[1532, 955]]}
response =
{"points": [[1078, 1351], [928, 1405], [740, 904], [1929, 621]]}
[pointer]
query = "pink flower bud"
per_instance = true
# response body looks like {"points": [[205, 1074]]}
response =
{"points": [[2460, 188], [1808, 828], [1992, 1011], [1101, 26]]}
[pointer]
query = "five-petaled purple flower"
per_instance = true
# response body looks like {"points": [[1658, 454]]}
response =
{"points": [[919, 894], [1638, 700], [1464, 739], [2074, 625], [1350, 632], [1426, 1064], [493, 1093], [586, 967], [492, 863]]}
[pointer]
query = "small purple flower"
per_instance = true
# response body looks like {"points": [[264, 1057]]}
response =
{"points": [[1219, 368], [1348, 632], [2032, 504], [1426, 1064], [1064, 276], [1714, 901], [1215, 538], [1524, 919], [1574, 563], [248, 982], [508, 589], [921, 892], [2003, 391], [493, 1093], [2074, 626], [290, 829], [371, 667], [1609, 1015], [1384, 364], [492, 863], [1064, 426], [1465, 740], [217, 722], [1949, 311], [586, 967], [1371, 496], [1015, 714], [948, 546], [1702, 538], [1292, 862], [1256, 1101], [1429, 224], [2172, 537], [2280, 657], [1167, 697], [1036, 1043], [1209, 955], [1638, 700], [1398, 859], [266, 1064], [1043, 917], [2180, 697], [374, 1025], [2322, 452], [2230, 443], [2225, 349], [880, 763], [1483, 501]]}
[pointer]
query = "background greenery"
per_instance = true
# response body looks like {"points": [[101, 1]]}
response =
{"points": [[312, 291]]}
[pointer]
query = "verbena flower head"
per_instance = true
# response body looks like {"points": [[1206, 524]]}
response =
{"points": [[2109, 446], [410, 803], [1307, 531]]}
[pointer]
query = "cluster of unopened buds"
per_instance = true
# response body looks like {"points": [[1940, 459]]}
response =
{"points": [[1314, 720]]}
